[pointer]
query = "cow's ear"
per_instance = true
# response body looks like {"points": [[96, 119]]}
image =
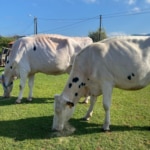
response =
{"points": [[70, 104]]}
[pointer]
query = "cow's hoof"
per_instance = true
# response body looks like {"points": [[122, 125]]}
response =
{"points": [[55, 130], [29, 99], [84, 102], [85, 119], [104, 130], [18, 102], [69, 128]]}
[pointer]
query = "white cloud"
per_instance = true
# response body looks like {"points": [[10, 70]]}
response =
{"points": [[119, 33], [85, 1], [131, 2], [147, 1], [116, 0], [90, 1], [136, 9]]}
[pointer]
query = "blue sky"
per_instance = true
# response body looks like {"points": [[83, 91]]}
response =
{"points": [[74, 17]]}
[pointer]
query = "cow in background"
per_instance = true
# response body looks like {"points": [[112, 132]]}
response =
{"points": [[121, 62], [49, 54]]}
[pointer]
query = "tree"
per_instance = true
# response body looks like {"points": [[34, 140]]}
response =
{"points": [[5, 40], [97, 35]]}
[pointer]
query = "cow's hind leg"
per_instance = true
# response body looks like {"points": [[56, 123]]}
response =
{"points": [[23, 77], [107, 92], [87, 97], [86, 100], [90, 110], [30, 84]]}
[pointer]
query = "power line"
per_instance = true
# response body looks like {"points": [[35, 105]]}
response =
{"points": [[110, 15], [66, 20], [126, 13], [70, 25], [77, 21], [28, 26], [105, 16]]}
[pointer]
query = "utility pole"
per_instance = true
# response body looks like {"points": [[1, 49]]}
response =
{"points": [[35, 25], [100, 27]]}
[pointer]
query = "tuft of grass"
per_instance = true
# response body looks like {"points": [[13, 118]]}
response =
{"points": [[28, 125]]}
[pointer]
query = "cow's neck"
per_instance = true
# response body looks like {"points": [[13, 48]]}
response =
{"points": [[75, 88]]}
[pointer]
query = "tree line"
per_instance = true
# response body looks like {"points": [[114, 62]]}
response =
{"points": [[5, 40]]}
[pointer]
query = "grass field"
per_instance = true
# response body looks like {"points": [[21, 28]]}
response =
{"points": [[27, 126]]}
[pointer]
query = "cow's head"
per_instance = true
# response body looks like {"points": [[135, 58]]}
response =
{"points": [[7, 85], [63, 110]]}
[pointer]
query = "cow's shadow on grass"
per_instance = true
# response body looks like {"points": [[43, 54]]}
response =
{"points": [[85, 127], [40, 128], [12, 100]]}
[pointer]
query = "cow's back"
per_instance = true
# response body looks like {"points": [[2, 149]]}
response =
{"points": [[125, 62], [44, 53]]}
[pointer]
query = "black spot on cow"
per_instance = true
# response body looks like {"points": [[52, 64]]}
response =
{"points": [[133, 74], [34, 48], [76, 94], [79, 86], [76, 79], [129, 77], [10, 67], [88, 79], [70, 85], [70, 104], [83, 84], [7, 61]]}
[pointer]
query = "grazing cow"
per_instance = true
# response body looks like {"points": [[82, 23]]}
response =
{"points": [[121, 62], [49, 54]]}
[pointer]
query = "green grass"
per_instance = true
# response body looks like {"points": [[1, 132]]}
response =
{"points": [[27, 126]]}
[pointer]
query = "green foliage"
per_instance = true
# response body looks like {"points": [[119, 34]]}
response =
{"points": [[4, 41], [97, 35], [28, 125]]}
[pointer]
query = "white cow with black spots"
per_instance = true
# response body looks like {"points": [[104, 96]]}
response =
{"points": [[49, 54], [121, 62]]}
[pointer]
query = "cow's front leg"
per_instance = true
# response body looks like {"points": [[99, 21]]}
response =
{"points": [[90, 110], [23, 77], [30, 84], [107, 92]]}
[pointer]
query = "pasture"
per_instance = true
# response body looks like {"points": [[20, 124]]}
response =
{"points": [[28, 125]]}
